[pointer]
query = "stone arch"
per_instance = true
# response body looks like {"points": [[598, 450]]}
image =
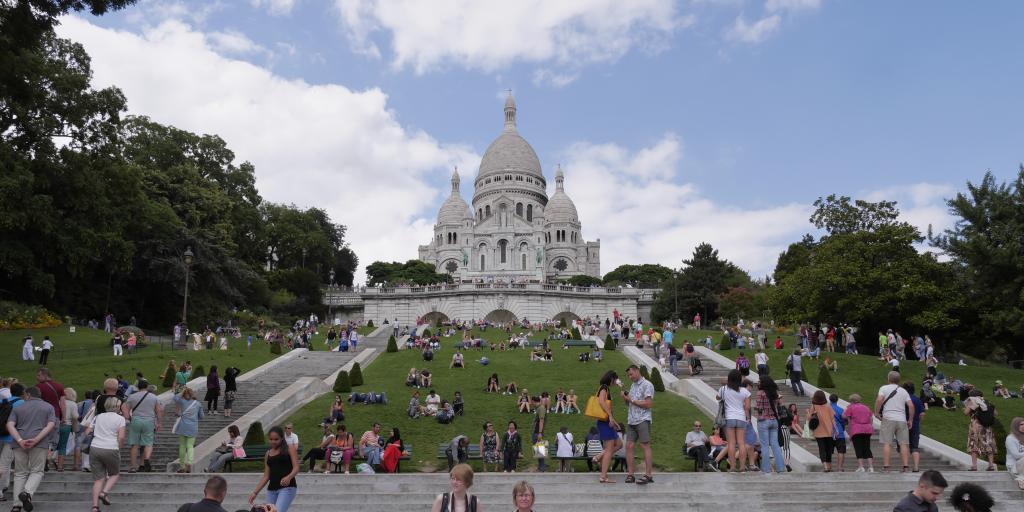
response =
{"points": [[432, 317], [569, 317], [501, 316]]}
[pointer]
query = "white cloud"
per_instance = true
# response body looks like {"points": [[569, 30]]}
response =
{"points": [[642, 210], [791, 5], [920, 204], [489, 36], [275, 7], [313, 145], [753, 33], [233, 41]]}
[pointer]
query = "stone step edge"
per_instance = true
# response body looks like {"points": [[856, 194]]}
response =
{"points": [[283, 404], [927, 444]]}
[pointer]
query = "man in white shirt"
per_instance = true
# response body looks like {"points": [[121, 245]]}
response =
{"points": [[696, 447], [895, 409], [44, 354], [290, 437]]}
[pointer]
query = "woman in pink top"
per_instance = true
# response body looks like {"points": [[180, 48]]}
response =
{"points": [[860, 430]]}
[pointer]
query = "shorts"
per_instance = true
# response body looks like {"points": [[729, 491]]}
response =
{"points": [[839, 445], [735, 424], [606, 432], [104, 463], [62, 439], [915, 439], [229, 399], [894, 428], [639, 433], [140, 432]]}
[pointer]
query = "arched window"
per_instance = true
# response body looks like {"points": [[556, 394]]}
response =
{"points": [[523, 258], [529, 213], [519, 209], [487, 211], [503, 250], [455, 238], [481, 262]]}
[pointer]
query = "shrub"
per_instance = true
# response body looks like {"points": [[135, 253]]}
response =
{"points": [[341, 383], [609, 342], [561, 323], [198, 371], [576, 334], [825, 378], [369, 323], [392, 344], [656, 381], [275, 348], [355, 377], [20, 316], [427, 333], [140, 335], [644, 372], [725, 343], [255, 435], [437, 324], [168, 382]]}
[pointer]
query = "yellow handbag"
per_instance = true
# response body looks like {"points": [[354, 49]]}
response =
{"points": [[594, 409]]}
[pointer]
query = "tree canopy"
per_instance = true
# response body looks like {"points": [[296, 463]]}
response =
{"points": [[642, 276], [411, 272]]}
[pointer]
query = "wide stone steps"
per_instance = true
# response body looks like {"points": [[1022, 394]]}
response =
{"points": [[714, 375], [319, 364], [575, 492]]}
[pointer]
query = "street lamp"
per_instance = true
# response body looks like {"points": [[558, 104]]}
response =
{"points": [[330, 298], [675, 286], [187, 257], [303, 257]]}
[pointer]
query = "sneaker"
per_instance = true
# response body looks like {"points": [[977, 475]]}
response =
{"points": [[871, 470], [859, 470], [713, 467], [26, 501]]}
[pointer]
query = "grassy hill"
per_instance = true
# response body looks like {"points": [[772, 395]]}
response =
{"points": [[673, 415]]}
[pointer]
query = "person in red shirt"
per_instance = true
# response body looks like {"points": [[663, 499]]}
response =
{"points": [[51, 391]]}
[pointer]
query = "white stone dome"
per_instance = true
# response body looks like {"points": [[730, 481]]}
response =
{"points": [[560, 208], [453, 211], [510, 150]]}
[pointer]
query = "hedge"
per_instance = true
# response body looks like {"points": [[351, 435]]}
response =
{"points": [[355, 377]]}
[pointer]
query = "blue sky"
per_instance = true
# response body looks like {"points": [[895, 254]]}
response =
{"points": [[675, 122]]}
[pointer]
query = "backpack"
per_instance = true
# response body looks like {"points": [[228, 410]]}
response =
{"points": [[5, 409], [782, 412], [744, 364], [987, 418]]}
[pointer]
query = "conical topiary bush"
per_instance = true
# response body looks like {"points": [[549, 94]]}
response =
{"points": [[275, 348], [255, 435], [199, 371], [355, 377], [644, 372], [168, 382], [392, 344], [341, 383], [659, 385], [369, 323], [825, 378], [427, 333], [725, 343], [576, 334]]}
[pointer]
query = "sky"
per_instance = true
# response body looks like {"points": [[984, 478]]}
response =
{"points": [[675, 122]]}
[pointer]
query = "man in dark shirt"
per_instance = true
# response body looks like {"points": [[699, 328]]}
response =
{"points": [[52, 391], [213, 495], [922, 499]]}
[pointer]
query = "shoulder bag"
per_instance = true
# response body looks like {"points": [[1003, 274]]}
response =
{"points": [[720, 417], [594, 409], [177, 422]]}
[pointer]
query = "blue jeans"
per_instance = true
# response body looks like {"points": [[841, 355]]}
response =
{"points": [[282, 498], [768, 433]]}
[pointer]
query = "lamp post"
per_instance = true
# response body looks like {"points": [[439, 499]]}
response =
{"points": [[187, 258], [330, 298], [675, 286], [303, 257]]}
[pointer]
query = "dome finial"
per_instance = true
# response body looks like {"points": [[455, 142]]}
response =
{"points": [[455, 181], [510, 112], [559, 179]]}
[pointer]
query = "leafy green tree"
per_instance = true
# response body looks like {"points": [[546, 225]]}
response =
{"points": [[986, 246], [410, 272], [583, 280], [838, 216], [699, 286], [643, 276]]}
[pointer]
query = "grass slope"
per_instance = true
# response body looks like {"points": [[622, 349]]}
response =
{"points": [[86, 369], [672, 414]]}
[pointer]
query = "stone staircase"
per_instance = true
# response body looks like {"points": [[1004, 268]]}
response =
{"points": [[566, 492], [714, 375], [319, 364]]}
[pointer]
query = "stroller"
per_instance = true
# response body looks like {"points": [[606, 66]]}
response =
{"points": [[696, 365]]}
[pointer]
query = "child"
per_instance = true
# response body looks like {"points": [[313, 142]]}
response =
{"points": [[563, 447]]}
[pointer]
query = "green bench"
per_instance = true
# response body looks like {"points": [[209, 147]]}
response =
{"points": [[555, 343], [473, 452], [254, 453], [398, 467]]}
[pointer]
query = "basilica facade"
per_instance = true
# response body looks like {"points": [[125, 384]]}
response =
{"points": [[513, 231]]}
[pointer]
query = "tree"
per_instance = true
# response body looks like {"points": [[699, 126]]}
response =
{"points": [[825, 378], [342, 383], [795, 256], [410, 272], [642, 276], [986, 246], [583, 280], [254, 436], [656, 380], [356, 375], [392, 344], [838, 216], [699, 285]]}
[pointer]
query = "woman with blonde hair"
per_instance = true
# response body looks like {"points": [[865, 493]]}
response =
{"points": [[190, 411], [1015, 451], [68, 424], [458, 498], [523, 496]]}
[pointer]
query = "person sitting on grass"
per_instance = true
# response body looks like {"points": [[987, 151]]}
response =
{"points": [[1000, 390], [428, 353], [560, 401], [501, 346], [446, 413], [415, 410], [832, 365], [425, 378], [511, 388], [413, 379], [458, 406], [433, 403], [548, 356], [597, 355], [524, 402], [492, 384], [571, 406], [537, 354], [457, 361]]}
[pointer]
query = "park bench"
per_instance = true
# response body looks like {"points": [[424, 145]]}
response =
{"points": [[254, 453], [398, 467], [473, 452]]}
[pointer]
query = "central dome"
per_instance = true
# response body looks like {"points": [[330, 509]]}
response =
{"points": [[510, 151]]}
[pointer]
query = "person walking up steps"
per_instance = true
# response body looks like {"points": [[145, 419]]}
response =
{"points": [[145, 414], [796, 369], [638, 423], [896, 411], [31, 426], [108, 429]]}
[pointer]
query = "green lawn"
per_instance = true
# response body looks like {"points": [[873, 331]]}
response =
{"points": [[83, 359], [672, 414], [864, 374]]}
